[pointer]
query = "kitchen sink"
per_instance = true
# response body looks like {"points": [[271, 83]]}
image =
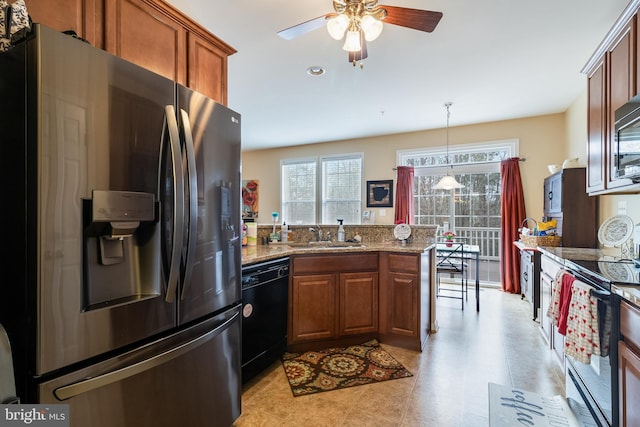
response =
{"points": [[325, 245]]}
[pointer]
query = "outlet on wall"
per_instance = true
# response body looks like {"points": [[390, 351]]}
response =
{"points": [[622, 207]]}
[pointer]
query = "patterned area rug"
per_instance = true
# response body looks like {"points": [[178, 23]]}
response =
{"points": [[336, 368]]}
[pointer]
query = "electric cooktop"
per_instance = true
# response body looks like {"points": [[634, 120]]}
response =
{"points": [[609, 270]]}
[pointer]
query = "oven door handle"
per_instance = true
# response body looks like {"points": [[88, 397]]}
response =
{"points": [[602, 295]]}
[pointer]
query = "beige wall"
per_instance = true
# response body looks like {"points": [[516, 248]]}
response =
{"points": [[577, 146], [542, 141]]}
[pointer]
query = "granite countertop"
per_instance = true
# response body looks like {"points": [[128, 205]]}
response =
{"points": [[260, 253], [565, 253], [630, 293], [520, 245]]}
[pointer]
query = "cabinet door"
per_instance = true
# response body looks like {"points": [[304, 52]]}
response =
{"points": [[545, 300], [313, 307], [142, 32], [207, 69], [526, 275], [358, 303], [81, 16], [597, 129], [403, 304], [621, 90], [553, 194], [629, 385]]}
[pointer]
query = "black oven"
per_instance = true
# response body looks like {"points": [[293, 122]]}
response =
{"points": [[593, 387], [626, 147]]}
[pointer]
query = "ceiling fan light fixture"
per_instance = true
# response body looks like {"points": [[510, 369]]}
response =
{"points": [[352, 41], [337, 25], [371, 26]]}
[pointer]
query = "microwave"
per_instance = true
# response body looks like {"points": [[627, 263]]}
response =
{"points": [[626, 146]]}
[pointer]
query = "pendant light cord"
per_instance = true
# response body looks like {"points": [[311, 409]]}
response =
{"points": [[447, 105]]}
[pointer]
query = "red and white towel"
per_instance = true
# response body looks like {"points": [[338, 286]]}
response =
{"points": [[583, 333], [575, 313], [559, 308]]}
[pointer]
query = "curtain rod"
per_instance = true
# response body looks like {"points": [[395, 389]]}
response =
{"points": [[522, 159]]}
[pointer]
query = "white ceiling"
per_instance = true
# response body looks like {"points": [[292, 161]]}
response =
{"points": [[494, 59]]}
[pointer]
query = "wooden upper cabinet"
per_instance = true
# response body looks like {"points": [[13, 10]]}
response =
{"points": [[207, 68], [622, 87], [597, 125], [82, 16], [145, 34], [150, 33]]}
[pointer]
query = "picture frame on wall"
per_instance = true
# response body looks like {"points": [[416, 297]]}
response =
{"points": [[380, 194]]}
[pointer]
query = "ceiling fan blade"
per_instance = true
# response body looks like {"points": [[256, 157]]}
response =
{"points": [[361, 54], [303, 28], [422, 20]]}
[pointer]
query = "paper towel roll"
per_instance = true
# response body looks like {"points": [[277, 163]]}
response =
{"points": [[252, 234]]}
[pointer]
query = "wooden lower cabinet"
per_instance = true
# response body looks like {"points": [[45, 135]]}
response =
{"points": [[333, 300], [346, 299], [629, 365], [629, 384], [402, 310], [358, 303], [406, 282], [313, 301]]}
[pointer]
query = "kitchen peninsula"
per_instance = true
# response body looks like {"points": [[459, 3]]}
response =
{"points": [[347, 293]]}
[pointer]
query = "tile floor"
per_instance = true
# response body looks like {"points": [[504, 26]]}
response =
{"points": [[501, 344]]}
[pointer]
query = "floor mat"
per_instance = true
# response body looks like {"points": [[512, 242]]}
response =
{"points": [[336, 368]]}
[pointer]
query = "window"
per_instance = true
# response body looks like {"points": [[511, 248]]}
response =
{"points": [[326, 188], [298, 192], [473, 212]]}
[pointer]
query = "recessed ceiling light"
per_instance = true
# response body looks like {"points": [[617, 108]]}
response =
{"points": [[315, 70]]}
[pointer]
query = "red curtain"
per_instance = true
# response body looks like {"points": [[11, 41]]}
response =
{"points": [[511, 216], [404, 195]]}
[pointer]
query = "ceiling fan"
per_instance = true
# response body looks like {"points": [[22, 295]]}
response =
{"points": [[361, 22]]}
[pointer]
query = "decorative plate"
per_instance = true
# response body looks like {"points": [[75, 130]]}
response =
{"points": [[617, 271], [615, 230], [402, 231]]}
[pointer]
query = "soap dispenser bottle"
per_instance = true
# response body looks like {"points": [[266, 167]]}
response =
{"points": [[340, 231]]}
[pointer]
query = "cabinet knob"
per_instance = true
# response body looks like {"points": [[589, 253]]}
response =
{"points": [[550, 196]]}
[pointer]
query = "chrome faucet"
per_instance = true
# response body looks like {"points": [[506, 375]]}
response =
{"points": [[317, 230]]}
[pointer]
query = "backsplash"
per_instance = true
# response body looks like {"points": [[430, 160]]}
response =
{"points": [[369, 233]]}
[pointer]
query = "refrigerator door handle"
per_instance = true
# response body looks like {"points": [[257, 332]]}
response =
{"points": [[68, 391], [193, 201], [178, 202]]}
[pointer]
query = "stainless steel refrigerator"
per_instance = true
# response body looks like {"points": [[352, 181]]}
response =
{"points": [[121, 251]]}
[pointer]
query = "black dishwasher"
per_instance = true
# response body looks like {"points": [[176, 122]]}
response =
{"points": [[265, 289]]}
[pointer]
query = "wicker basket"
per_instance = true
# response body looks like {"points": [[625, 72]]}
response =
{"points": [[534, 241]]}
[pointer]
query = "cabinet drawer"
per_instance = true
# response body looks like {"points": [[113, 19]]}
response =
{"points": [[315, 264], [630, 324], [549, 266], [526, 256], [404, 263]]}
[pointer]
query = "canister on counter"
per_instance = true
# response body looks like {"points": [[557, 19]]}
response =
{"points": [[252, 234]]}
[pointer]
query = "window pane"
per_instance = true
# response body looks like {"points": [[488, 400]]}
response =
{"points": [[341, 189], [473, 211], [299, 192]]}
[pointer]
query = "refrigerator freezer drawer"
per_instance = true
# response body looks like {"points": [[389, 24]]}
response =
{"points": [[190, 378]]}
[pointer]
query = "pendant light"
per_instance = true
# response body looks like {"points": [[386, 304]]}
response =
{"points": [[447, 182]]}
